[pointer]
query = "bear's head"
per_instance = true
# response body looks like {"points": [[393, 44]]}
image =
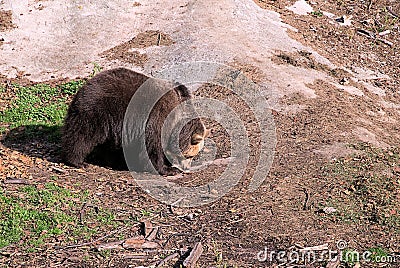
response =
{"points": [[190, 148], [191, 133]]}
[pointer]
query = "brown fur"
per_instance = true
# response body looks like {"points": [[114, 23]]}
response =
{"points": [[96, 116]]}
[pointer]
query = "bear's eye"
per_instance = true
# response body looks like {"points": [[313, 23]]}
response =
{"points": [[196, 139]]}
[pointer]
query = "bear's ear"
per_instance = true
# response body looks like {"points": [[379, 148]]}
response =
{"points": [[183, 91], [196, 139]]}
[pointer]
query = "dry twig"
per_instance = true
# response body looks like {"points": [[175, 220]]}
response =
{"points": [[91, 243]]}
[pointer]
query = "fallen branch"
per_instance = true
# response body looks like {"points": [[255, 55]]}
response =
{"points": [[111, 245], [152, 234], [315, 248], [59, 170], [139, 242], [168, 258], [386, 42], [366, 33], [194, 256], [134, 242], [392, 12], [16, 181]]}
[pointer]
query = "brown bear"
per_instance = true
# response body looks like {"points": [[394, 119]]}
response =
{"points": [[96, 115]]}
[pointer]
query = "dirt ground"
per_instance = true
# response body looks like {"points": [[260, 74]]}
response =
{"points": [[288, 211], [5, 20]]}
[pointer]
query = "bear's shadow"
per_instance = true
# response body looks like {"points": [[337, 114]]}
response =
{"points": [[44, 142]]}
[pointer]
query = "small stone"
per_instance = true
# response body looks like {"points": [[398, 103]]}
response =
{"points": [[344, 20], [214, 192], [190, 216], [329, 210]]}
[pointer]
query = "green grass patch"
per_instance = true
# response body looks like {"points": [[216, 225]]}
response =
{"points": [[350, 257], [317, 13], [39, 107], [379, 254], [369, 186], [31, 216]]}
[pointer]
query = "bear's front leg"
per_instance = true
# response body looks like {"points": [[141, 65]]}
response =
{"points": [[163, 166]]}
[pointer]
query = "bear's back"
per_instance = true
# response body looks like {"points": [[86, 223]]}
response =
{"points": [[109, 89]]}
